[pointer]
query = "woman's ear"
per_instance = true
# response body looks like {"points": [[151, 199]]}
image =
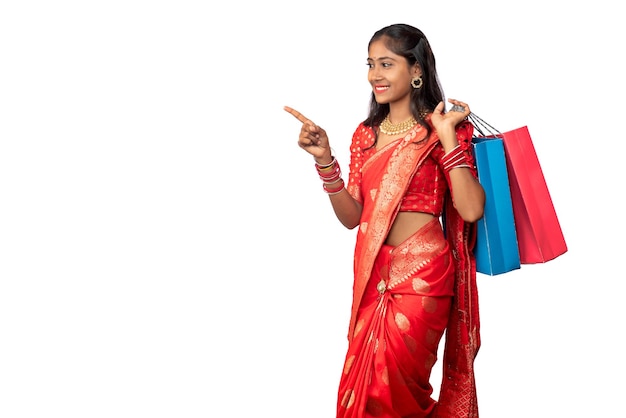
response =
{"points": [[417, 70]]}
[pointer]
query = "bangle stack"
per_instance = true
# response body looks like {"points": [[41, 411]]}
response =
{"points": [[455, 158], [331, 177]]}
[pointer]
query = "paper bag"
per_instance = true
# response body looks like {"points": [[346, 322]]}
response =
{"points": [[539, 233], [496, 248]]}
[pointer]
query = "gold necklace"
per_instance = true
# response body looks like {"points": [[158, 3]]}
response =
{"points": [[389, 128]]}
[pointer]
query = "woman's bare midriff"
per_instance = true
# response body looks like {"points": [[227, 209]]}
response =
{"points": [[405, 225]]}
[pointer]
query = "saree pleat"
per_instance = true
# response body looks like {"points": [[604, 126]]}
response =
{"points": [[402, 318], [406, 297]]}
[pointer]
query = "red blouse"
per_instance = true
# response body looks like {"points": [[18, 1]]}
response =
{"points": [[428, 186]]}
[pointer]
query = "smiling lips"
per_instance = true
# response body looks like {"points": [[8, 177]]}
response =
{"points": [[380, 89]]}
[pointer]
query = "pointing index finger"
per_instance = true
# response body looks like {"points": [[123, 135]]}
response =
{"points": [[298, 115]]}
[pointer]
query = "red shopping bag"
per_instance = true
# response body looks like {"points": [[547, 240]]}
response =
{"points": [[539, 234]]}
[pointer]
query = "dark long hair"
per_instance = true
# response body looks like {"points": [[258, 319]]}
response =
{"points": [[411, 43]]}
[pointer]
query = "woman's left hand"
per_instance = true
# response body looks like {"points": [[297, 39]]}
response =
{"points": [[449, 120]]}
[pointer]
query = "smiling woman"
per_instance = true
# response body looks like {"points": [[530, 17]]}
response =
{"points": [[167, 251], [410, 164]]}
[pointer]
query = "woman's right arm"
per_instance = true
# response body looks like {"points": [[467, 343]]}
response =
{"points": [[313, 139], [347, 209]]}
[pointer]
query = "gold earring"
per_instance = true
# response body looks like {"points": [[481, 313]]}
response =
{"points": [[417, 82]]}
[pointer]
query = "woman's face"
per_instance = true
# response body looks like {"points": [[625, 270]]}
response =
{"points": [[389, 74]]}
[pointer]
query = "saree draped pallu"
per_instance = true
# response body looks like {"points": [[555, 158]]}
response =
{"points": [[406, 297]]}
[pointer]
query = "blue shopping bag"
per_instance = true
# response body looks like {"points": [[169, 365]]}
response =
{"points": [[496, 248]]}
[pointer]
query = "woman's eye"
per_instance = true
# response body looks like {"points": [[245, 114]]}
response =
{"points": [[370, 65], [386, 64]]}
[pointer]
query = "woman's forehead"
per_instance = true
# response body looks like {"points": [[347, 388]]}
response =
{"points": [[378, 50]]}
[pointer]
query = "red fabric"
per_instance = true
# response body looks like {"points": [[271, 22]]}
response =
{"points": [[393, 342], [427, 187], [457, 397], [401, 319]]}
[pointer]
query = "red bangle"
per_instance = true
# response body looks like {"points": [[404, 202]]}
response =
{"points": [[333, 190], [330, 174], [454, 159]]}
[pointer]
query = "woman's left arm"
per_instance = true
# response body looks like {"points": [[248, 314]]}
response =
{"points": [[468, 195]]}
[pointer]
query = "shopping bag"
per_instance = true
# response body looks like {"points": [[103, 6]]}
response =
{"points": [[496, 249], [539, 234]]}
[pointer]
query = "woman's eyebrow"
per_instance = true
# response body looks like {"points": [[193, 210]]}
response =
{"points": [[380, 59]]}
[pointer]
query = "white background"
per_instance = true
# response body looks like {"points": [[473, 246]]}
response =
{"points": [[166, 249]]}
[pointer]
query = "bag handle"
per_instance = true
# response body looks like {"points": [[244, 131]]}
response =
{"points": [[481, 126]]}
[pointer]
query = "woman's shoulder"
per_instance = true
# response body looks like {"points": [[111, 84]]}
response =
{"points": [[364, 129], [363, 136]]}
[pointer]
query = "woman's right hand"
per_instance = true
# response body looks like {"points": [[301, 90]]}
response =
{"points": [[312, 139]]}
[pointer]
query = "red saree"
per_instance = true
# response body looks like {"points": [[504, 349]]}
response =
{"points": [[405, 297]]}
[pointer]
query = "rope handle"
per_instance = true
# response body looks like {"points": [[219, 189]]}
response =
{"points": [[481, 126]]}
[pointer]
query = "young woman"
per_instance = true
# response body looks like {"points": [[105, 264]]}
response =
{"points": [[413, 193]]}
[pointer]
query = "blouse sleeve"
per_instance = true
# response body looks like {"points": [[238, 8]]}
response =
{"points": [[362, 138], [464, 134]]}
